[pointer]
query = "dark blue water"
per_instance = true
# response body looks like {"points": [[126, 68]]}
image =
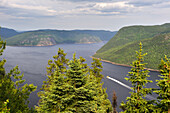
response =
{"points": [[32, 61]]}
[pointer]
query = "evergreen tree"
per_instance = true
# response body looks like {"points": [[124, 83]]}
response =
{"points": [[163, 105], [4, 108], [97, 69], [102, 104], [114, 102], [77, 78], [55, 95], [72, 88], [14, 91], [138, 77], [89, 96]]}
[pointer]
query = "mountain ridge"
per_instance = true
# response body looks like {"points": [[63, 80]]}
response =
{"points": [[48, 37], [6, 32], [121, 48]]}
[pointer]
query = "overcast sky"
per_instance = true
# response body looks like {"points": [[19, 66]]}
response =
{"points": [[82, 14]]}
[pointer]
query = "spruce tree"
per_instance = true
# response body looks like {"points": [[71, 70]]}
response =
{"points": [[96, 70], [163, 105], [138, 77], [4, 108], [77, 78], [14, 91], [55, 95], [114, 102], [100, 103], [72, 88], [88, 95]]}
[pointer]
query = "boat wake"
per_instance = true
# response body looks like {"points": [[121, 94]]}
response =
{"points": [[126, 86]]}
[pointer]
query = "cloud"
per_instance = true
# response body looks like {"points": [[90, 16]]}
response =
{"points": [[74, 13], [91, 0], [94, 8], [34, 8], [146, 2], [163, 5], [25, 9], [120, 7], [65, 8], [103, 8]]}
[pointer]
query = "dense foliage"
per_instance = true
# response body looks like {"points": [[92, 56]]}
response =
{"points": [[3, 108], [72, 87], [163, 104], [139, 77], [13, 90], [121, 47], [52, 37]]}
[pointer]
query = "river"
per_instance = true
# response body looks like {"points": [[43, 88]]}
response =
{"points": [[32, 61]]}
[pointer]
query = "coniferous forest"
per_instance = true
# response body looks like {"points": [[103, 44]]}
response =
{"points": [[74, 87]]}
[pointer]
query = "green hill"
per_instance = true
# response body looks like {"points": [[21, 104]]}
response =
{"points": [[50, 37], [104, 35], [6, 32], [121, 48]]}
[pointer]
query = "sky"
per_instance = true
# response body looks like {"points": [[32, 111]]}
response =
{"points": [[110, 15]]}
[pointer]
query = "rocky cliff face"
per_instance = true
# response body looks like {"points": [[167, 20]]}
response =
{"points": [[89, 40], [48, 38], [38, 42], [46, 42]]}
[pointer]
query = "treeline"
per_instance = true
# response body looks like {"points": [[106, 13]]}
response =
{"points": [[74, 87], [120, 49], [71, 87], [138, 76]]}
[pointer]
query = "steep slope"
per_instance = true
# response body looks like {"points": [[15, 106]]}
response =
{"points": [[121, 48], [132, 34], [6, 32], [50, 37], [104, 35]]}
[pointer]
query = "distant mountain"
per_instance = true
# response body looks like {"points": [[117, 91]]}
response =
{"points": [[51, 37], [104, 35], [121, 48], [6, 33]]}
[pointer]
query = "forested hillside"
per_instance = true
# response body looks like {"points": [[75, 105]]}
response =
{"points": [[52, 37], [120, 48], [104, 35], [74, 87], [6, 33]]}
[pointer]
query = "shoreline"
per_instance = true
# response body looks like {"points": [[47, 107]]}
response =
{"points": [[53, 44], [30, 46], [122, 64]]}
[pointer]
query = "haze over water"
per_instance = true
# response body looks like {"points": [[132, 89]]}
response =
{"points": [[32, 61]]}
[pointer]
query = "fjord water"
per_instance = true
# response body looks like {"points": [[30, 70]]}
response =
{"points": [[32, 61]]}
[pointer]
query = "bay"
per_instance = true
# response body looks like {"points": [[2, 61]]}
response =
{"points": [[32, 61]]}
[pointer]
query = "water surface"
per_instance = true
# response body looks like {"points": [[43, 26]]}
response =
{"points": [[32, 61]]}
